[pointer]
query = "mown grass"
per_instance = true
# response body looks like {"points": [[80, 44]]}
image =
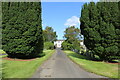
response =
{"points": [[23, 69], [101, 68], [0, 69]]}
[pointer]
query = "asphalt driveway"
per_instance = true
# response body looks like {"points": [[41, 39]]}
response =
{"points": [[60, 66]]}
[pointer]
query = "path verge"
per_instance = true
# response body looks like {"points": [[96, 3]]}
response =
{"points": [[97, 67], [24, 69]]}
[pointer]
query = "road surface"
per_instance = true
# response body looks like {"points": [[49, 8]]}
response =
{"points": [[60, 66]]}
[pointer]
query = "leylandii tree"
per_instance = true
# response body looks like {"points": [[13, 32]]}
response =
{"points": [[100, 27], [22, 31]]}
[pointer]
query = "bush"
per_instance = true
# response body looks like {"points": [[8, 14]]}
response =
{"points": [[76, 46], [22, 30], [66, 46], [2, 52], [48, 45]]}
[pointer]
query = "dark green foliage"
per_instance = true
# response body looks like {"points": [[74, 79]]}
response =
{"points": [[48, 45], [100, 27], [22, 30], [49, 34], [72, 41]]}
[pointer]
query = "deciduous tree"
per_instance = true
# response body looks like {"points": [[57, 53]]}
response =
{"points": [[49, 34], [72, 36]]}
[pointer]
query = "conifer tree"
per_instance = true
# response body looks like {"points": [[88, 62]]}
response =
{"points": [[22, 30], [100, 27]]}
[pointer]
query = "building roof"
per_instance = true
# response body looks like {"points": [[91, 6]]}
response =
{"points": [[59, 40]]}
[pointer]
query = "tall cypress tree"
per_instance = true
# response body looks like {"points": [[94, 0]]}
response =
{"points": [[100, 27], [22, 30]]}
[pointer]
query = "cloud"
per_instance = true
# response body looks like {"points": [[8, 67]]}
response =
{"points": [[73, 21], [42, 24]]}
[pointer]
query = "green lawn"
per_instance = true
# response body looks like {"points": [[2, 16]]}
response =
{"points": [[23, 69], [101, 68], [0, 68]]}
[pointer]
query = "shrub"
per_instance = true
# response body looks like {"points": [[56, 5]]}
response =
{"points": [[48, 45], [66, 46]]}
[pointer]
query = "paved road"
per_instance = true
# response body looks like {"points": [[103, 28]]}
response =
{"points": [[60, 66]]}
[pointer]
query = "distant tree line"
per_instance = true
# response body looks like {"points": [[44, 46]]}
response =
{"points": [[100, 25], [21, 29]]}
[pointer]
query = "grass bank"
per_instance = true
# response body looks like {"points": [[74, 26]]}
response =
{"points": [[102, 68], [23, 69]]}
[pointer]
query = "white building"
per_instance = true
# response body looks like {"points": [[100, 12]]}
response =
{"points": [[58, 43], [82, 45]]}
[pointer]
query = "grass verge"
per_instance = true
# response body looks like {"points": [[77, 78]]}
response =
{"points": [[101, 68], [23, 69]]}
